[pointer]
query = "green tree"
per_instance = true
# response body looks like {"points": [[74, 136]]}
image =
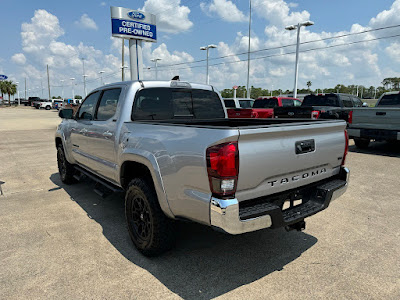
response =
{"points": [[309, 83], [2, 89], [10, 88], [78, 97]]}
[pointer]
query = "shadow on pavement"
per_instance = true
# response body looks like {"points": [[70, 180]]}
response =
{"points": [[205, 263], [391, 149]]}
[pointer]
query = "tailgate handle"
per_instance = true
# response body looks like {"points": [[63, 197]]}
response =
{"points": [[305, 146], [381, 113]]}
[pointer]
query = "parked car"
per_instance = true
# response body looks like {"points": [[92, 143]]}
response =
{"points": [[380, 123], [169, 146], [322, 106], [263, 107], [56, 103], [238, 107], [43, 103]]}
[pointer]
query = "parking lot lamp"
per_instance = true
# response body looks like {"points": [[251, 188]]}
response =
{"points": [[206, 48], [155, 60], [62, 90], [101, 77], [296, 71], [72, 83]]}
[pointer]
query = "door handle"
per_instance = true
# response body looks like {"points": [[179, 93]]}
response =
{"points": [[381, 113], [107, 134]]}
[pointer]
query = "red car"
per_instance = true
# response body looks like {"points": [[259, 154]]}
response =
{"points": [[263, 107]]}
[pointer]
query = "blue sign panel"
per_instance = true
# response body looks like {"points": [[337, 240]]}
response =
{"points": [[134, 29], [3, 77]]}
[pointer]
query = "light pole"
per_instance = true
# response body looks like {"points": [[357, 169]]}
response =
{"points": [[123, 71], [206, 48], [272, 89], [19, 100], [101, 77], [248, 54], [296, 72], [73, 93], [62, 91], [84, 76], [84, 84], [155, 60]]}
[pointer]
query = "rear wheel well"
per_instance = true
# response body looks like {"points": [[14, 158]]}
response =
{"points": [[131, 170]]}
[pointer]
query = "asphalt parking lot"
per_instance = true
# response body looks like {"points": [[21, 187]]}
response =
{"points": [[66, 242]]}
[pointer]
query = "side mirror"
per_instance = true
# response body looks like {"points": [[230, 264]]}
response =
{"points": [[365, 104], [66, 113]]}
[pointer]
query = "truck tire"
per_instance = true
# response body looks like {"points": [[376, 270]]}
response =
{"points": [[48, 107], [151, 231], [361, 143], [65, 169]]}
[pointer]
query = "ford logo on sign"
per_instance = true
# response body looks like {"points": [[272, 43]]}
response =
{"points": [[136, 15], [3, 77]]}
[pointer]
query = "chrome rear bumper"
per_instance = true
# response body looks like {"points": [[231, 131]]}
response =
{"points": [[225, 215]]}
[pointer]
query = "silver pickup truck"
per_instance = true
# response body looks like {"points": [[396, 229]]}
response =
{"points": [[170, 147], [381, 123]]}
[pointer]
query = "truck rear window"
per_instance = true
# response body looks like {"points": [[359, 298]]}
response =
{"points": [[390, 100], [229, 103], [321, 100], [168, 103], [265, 103]]}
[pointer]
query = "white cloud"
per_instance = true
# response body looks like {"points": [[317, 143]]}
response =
{"points": [[164, 9], [86, 22], [393, 51], [103, 4], [277, 12], [225, 9], [19, 58], [293, 5]]}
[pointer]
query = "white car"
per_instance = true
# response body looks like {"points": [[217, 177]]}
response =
{"points": [[44, 104]]}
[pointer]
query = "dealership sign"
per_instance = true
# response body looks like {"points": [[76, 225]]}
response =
{"points": [[3, 77], [132, 24]]}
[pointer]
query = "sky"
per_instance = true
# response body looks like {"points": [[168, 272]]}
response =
{"points": [[61, 33]]}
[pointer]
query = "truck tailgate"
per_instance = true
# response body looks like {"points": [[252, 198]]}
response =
{"points": [[269, 164], [376, 118]]}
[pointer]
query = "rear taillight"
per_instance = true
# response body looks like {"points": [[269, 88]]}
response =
{"points": [[350, 118], [254, 114], [223, 169], [346, 147], [315, 114]]}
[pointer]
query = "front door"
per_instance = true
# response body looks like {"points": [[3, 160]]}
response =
{"points": [[81, 127]]}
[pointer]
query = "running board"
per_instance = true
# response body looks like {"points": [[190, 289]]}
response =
{"points": [[97, 179]]}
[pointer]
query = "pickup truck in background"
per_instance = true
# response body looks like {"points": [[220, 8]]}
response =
{"points": [[380, 123], [170, 148], [46, 104], [263, 107], [322, 106], [238, 107]]}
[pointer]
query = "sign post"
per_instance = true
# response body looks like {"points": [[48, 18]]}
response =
{"points": [[235, 87], [136, 26]]}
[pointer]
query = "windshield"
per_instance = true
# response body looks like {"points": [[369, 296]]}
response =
{"points": [[321, 100], [390, 100], [246, 103], [229, 103], [265, 103]]}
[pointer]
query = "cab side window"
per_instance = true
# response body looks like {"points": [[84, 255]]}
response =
{"points": [[108, 104], [287, 102], [86, 110], [346, 101], [357, 102]]}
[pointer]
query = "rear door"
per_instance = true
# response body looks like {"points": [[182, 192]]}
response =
{"points": [[269, 160], [101, 135]]}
